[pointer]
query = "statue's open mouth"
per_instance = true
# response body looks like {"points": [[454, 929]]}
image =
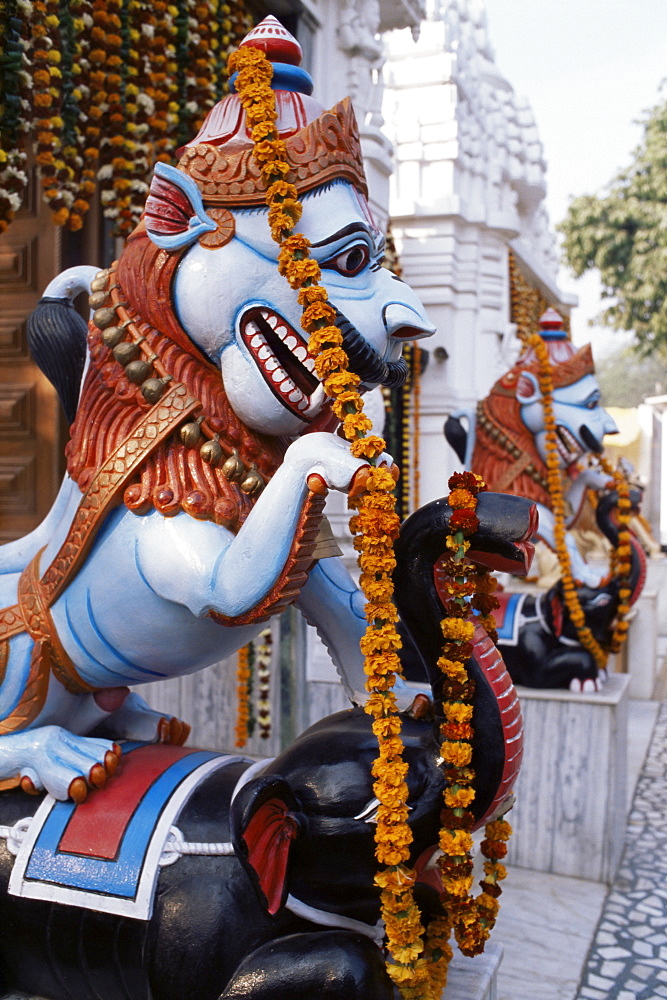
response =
{"points": [[281, 355], [568, 447]]}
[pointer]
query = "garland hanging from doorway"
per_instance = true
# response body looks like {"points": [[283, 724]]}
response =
{"points": [[99, 90]]}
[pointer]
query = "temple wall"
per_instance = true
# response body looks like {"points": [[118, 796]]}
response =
{"points": [[469, 185]]}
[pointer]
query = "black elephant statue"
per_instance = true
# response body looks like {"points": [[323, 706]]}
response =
{"points": [[199, 875], [536, 636]]}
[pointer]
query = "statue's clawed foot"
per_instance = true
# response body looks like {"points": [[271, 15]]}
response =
{"points": [[587, 685], [54, 760], [173, 731]]}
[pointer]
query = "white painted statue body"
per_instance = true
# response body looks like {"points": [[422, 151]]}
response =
{"points": [[138, 607]]}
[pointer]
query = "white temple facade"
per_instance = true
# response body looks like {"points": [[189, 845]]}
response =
{"points": [[468, 186]]}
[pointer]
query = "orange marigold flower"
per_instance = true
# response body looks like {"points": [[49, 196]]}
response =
{"points": [[458, 754], [368, 447], [355, 424], [461, 498], [454, 628], [330, 336], [330, 360]]}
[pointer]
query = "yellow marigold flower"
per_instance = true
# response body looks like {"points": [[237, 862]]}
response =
{"points": [[455, 842], [298, 271], [458, 754], [377, 563], [384, 640], [349, 398], [455, 628], [385, 610], [330, 336], [387, 854], [498, 829], [355, 424], [457, 885], [316, 312], [369, 447], [496, 869], [330, 360], [456, 711], [459, 798], [409, 952], [313, 293], [461, 498], [384, 728], [454, 669]]}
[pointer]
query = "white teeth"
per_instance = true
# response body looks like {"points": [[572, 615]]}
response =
{"points": [[271, 363], [278, 375], [288, 385], [296, 396], [309, 363], [252, 327], [301, 353], [303, 405], [316, 399], [257, 341], [264, 353], [290, 342], [282, 332], [272, 320]]}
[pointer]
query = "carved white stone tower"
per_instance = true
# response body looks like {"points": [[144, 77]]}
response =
{"points": [[469, 185]]}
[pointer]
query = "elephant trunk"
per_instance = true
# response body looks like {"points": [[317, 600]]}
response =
{"points": [[506, 523], [605, 516], [365, 361]]}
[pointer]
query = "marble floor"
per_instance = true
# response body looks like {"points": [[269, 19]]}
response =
{"points": [[548, 924]]}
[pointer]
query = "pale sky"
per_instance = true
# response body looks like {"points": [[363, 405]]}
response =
{"points": [[589, 69]]}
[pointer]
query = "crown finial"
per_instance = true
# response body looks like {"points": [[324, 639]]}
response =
{"points": [[551, 325], [276, 41]]}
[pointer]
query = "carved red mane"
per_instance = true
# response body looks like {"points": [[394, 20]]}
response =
{"points": [[174, 477]]}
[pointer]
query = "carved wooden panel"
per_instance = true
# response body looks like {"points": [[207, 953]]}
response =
{"points": [[17, 485], [30, 422], [13, 343], [18, 407]]}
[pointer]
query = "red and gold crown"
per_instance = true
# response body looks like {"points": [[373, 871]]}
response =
{"points": [[321, 145]]}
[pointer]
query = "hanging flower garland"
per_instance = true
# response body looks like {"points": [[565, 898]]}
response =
{"points": [[97, 89], [77, 21], [621, 565], [416, 417], [15, 120], [418, 967], [468, 588], [375, 525], [263, 648], [570, 595], [243, 681], [47, 101]]}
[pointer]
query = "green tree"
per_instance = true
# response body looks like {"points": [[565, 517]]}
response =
{"points": [[626, 379], [623, 234]]}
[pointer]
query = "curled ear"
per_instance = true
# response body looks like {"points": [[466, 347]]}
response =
{"points": [[528, 388], [264, 823], [175, 216]]}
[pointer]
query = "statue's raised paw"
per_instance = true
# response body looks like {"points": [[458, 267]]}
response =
{"points": [[55, 760], [173, 731]]}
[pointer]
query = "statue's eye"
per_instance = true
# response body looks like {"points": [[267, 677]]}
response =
{"points": [[351, 261], [592, 404]]}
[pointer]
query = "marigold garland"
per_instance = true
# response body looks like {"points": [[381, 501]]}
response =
{"points": [[243, 677], [101, 89], [622, 569], [469, 589], [418, 967], [262, 649], [375, 525]]}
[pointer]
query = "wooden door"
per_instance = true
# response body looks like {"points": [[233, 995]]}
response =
{"points": [[31, 461]]}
